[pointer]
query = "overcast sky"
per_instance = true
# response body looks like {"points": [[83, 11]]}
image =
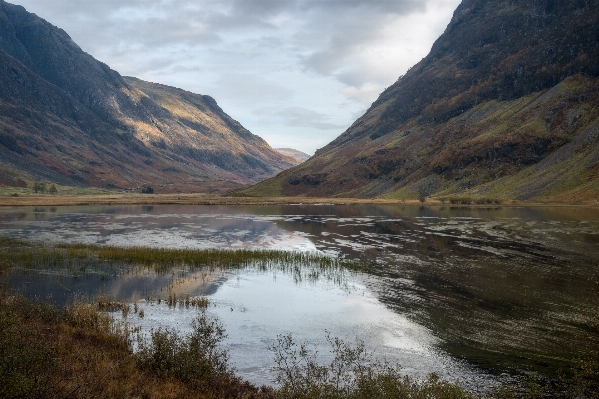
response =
{"points": [[295, 72]]}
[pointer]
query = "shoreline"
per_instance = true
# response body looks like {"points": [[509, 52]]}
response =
{"points": [[203, 199]]}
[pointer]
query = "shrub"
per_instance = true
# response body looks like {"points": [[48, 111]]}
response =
{"points": [[461, 200], [351, 374], [187, 357], [39, 187]]}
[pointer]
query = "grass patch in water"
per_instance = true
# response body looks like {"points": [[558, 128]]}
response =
{"points": [[80, 260], [79, 257]]}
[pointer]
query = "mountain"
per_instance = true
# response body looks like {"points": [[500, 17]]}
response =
{"points": [[67, 118], [505, 105], [295, 154]]}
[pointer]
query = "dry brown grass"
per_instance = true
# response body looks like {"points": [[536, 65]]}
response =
{"points": [[203, 199], [79, 353]]}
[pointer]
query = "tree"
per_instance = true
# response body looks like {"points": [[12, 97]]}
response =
{"points": [[147, 190], [39, 187], [53, 190]]}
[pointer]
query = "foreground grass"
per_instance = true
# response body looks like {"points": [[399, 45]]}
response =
{"points": [[80, 352]]}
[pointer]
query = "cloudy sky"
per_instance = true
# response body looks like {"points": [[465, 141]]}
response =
{"points": [[295, 72]]}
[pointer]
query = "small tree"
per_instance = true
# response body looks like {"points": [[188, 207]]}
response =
{"points": [[147, 190], [53, 190], [39, 187]]}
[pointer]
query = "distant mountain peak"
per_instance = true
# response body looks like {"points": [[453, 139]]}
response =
{"points": [[293, 153]]}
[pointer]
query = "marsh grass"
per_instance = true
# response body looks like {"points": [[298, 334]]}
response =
{"points": [[187, 301], [66, 261], [89, 258], [80, 352]]}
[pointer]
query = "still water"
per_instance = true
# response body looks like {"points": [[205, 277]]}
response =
{"points": [[464, 292]]}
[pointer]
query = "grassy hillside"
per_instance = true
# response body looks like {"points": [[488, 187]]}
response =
{"points": [[505, 105]]}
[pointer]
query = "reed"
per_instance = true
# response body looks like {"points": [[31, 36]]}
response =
{"points": [[106, 262], [83, 258]]}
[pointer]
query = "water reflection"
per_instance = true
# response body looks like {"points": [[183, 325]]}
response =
{"points": [[506, 288]]}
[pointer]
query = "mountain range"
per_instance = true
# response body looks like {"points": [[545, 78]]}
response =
{"points": [[67, 118], [505, 105]]}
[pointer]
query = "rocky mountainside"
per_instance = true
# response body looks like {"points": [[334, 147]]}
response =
{"points": [[67, 118], [506, 105]]}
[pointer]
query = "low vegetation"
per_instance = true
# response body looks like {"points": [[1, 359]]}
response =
{"points": [[81, 258], [80, 351], [470, 200], [352, 373]]}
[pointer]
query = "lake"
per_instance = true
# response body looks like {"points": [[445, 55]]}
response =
{"points": [[470, 293]]}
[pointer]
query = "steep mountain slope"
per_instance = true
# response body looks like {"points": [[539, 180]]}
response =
{"points": [[299, 156], [506, 105], [68, 118]]}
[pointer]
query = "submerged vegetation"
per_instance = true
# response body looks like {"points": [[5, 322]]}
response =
{"points": [[109, 261], [81, 351]]}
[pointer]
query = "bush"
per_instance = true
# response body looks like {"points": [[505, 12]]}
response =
{"points": [[39, 187], [147, 190], [351, 374], [190, 357], [461, 200], [79, 352]]}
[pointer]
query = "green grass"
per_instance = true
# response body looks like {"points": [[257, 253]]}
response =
{"points": [[30, 182], [61, 190]]}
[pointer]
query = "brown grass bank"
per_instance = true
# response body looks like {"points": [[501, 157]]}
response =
{"points": [[204, 199]]}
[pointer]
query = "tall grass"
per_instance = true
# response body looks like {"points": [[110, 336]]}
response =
{"points": [[161, 260], [80, 260]]}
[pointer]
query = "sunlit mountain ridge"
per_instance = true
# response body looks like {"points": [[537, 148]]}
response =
{"points": [[69, 119]]}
